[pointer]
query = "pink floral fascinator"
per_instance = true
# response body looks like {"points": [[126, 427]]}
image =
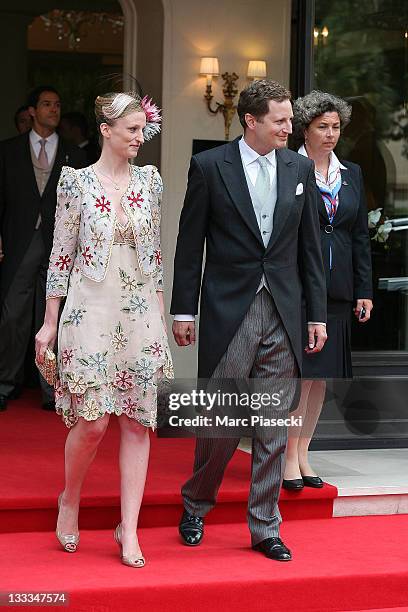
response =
{"points": [[153, 118]]}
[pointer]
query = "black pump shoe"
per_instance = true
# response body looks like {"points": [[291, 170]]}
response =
{"points": [[296, 484], [313, 481]]}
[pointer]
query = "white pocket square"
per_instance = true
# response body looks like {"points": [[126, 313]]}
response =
{"points": [[299, 189]]}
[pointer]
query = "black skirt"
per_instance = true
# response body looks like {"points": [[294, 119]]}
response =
{"points": [[334, 360]]}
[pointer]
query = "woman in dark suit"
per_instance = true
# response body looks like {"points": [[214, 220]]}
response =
{"points": [[318, 121]]}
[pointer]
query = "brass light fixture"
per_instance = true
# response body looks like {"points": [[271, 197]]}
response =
{"points": [[320, 34], [210, 68]]}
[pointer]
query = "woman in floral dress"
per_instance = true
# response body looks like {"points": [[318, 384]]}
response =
{"points": [[106, 260]]}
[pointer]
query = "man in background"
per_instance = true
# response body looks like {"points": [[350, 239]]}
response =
{"points": [[22, 120], [73, 128], [30, 166]]}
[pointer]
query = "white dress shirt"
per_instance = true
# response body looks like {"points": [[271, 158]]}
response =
{"points": [[51, 144], [334, 164], [249, 159]]}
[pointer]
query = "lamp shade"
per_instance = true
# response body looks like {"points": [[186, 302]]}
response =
{"points": [[256, 69], [209, 66]]}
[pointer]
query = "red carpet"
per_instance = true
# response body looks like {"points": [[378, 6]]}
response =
{"points": [[31, 476], [351, 564], [339, 564]]}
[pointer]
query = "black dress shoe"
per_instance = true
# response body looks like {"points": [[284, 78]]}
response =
{"points": [[3, 403], [313, 481], [49, 406], [274, 548], [191, 529], [296, 484]]}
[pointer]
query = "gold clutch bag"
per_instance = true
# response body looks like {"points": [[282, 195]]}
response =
{"points": [[48, 368]]}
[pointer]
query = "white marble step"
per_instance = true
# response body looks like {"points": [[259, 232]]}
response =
{"points": [[369, 481], [373, 481]]}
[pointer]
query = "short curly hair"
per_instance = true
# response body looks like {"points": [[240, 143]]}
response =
{"points": [[315, 104]]}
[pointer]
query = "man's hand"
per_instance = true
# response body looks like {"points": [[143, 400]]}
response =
{"points": [[317, 338], [367, 305], [184, 332]]}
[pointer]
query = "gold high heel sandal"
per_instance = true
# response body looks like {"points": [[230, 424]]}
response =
{"points": [[68, 541], [139, 562]]}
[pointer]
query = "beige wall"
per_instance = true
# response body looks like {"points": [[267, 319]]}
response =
{"points": [[149, 65], [234, 31]]}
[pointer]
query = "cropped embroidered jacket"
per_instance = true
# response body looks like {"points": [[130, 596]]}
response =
{"points": [[85, 224]]}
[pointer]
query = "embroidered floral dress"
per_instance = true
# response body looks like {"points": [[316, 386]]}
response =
{"points": [[112, 345]]}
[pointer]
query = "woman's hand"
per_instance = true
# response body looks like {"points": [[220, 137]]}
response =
{"points": [[317, 337], [45, 338], [1, 250], [367, 305]]}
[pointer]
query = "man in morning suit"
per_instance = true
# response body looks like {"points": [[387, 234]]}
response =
{"points": [[252, 202], [30, 165]]}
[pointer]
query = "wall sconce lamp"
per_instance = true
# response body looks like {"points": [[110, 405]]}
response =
{"points": [[256, 69], [209, 67], [323, 33]]}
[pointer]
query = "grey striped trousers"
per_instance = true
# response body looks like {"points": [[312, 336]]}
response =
{"points": [[260, 349]]}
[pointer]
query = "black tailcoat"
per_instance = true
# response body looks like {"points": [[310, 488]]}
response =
{"points": [[21, 202], [218, 212]]}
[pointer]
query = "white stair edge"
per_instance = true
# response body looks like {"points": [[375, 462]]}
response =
{"points": [[364, 505], [373, 489]]}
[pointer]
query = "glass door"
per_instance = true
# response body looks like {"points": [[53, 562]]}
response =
{"points": [[360, 52]]}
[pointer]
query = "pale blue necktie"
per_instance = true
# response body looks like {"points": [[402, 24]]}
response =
{"points": [[263, 181]]}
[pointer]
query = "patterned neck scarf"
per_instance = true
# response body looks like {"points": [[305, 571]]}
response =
{"points": [[330, 191]]}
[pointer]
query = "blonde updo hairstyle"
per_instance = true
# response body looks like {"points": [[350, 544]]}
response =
{"points": [[112, 106]]}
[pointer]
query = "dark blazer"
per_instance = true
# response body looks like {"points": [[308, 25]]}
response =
{"points": [[92, 151], [218, 211], [20, 201], [350, 277]]}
